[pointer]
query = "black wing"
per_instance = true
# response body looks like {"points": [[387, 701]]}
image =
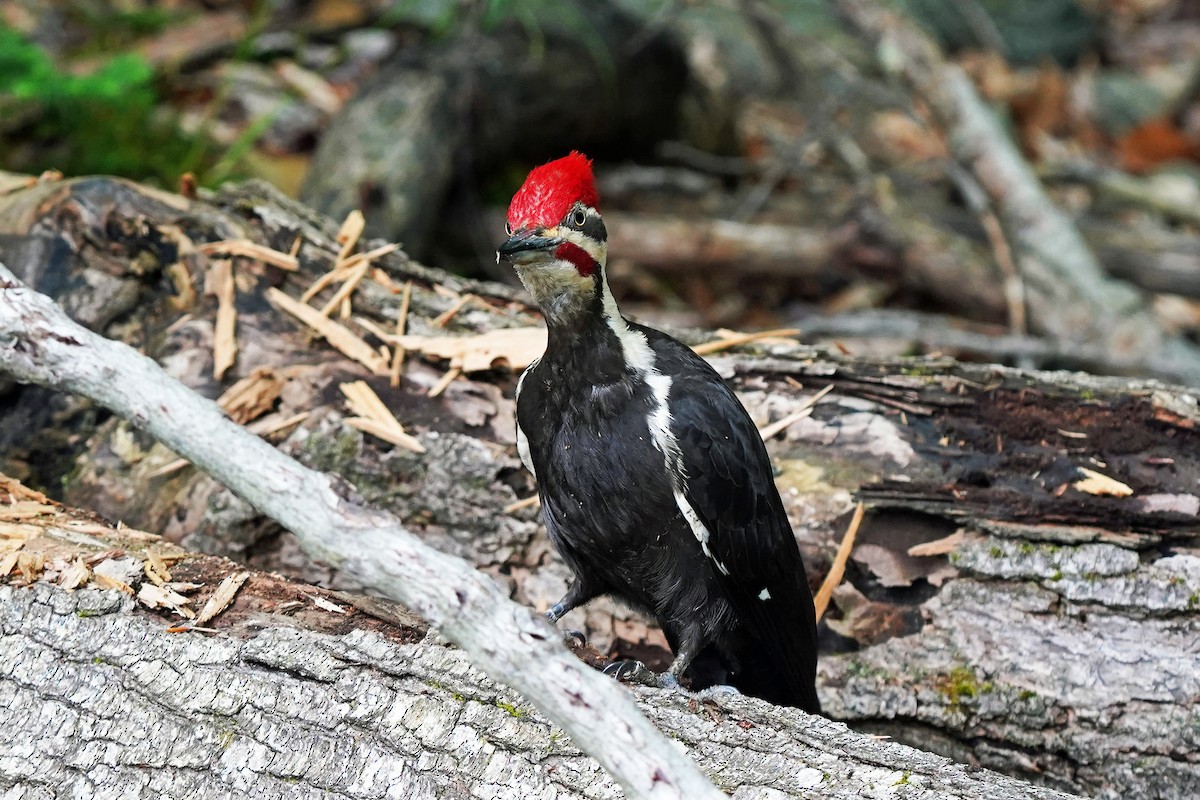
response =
{"points": [[731, 487]]}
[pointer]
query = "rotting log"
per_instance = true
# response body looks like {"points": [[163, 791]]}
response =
{"points": [[288, 693], [1021, 662]]}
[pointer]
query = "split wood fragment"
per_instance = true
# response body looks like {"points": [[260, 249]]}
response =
{"points": [[838, 570], [339, 336], [253, 250]]}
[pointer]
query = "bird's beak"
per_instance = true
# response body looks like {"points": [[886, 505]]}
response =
{"points": [[524, 244]]}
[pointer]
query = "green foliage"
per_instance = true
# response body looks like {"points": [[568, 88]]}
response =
{"points": [[104, 121]]}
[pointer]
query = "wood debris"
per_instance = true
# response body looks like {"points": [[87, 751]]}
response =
{"points": [[251, 250], [1095, 483], [450, 313], [222, 597], [347, 236], [252, 396], [342, 296], [444, 382], [339, 336], [75, 575], [219, 282], [805, 410], [515, 348], [325, 605], [838, 570], [375, 418], [728, 339], [154, 596], [939, 547], [401, 324], [528, 502]]}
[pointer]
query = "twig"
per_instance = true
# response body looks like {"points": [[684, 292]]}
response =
{"points": [[445, 381], [717, 345], [401, 324], [528, 502], [838, 570], [40, 344], [767, 431]]}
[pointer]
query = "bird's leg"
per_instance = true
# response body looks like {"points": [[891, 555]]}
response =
{"points": [[689, 647], [577, 595]]}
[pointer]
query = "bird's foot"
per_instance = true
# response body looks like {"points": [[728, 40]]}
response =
{"points": [[713, 692], [630, 671], [574, 639]]}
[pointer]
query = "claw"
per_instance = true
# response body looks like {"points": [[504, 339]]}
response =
{"points": [[631, 671], [577, 637]]}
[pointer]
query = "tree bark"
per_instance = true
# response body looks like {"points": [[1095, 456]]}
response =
{"points": [[276, 702]]}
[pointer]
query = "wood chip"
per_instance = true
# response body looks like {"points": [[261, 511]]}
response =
{"points": [[74, 576], [515, 348], [352, 228], [939, 547], [353, 278], [219, 282], [838, 570], [26, 510], [386, 433], [325, 605], [222, 597], [339, 336], [447, 379], [736, 339], [341, 270], [528, 502], [8, 563], [249, 249], [401, 324], [441, 319], [103, 581], [767, 431], [155, 568], [252, 396], [153, 596], [1095, 483], [375, 418]]}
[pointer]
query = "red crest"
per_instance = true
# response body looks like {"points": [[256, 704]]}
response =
{"points": [[551, 190]]}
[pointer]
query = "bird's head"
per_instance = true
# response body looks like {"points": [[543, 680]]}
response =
{"points": [[557, 241]]}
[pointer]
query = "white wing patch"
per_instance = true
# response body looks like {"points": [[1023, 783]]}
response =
{"points": [[764, 594], [640, 357], [522, 439]]}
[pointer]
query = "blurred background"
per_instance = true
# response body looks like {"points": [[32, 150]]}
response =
{"points": [[762, 163]]}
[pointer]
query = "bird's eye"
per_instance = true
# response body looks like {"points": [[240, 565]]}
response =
{"points": [[579, 217], [507, 229]]}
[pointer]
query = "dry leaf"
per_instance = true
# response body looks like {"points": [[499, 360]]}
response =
{"points": [[869, 622], [222, 597], [1152, 143], [1095, 483]]}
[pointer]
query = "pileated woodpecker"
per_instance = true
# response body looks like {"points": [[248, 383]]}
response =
{"points": [[655, 485]]}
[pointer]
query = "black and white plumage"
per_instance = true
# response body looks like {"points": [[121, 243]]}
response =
{"points": [[655, 485]]}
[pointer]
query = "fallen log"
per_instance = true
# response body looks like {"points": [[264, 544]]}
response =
{"points": [[1008, 647], [287, 693]]}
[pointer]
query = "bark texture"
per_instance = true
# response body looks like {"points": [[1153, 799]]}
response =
{"points": [[102, 703]]}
